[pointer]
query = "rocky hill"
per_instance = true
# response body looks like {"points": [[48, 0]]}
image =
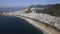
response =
{"points": [[53, 10]]}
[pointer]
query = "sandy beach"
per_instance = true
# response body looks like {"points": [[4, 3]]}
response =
{"points": [[40, 26]]}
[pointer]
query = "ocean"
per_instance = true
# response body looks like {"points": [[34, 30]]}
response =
{"points": [[15, 25]]}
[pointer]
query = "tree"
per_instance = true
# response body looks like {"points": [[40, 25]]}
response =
{"points": [[53, 10]]}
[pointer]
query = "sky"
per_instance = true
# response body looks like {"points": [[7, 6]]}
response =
{"points": [[23, 3]]}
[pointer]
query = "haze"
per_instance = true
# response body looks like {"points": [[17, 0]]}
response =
{"points": [[24, 3]]}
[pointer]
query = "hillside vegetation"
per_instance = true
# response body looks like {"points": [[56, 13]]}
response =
{"points": [[53, 10]]}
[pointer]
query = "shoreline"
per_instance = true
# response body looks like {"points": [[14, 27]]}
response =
{"points": [[40, 26], [33, 25]]}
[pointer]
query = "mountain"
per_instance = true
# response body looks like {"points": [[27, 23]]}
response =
{"points": [[53, 10], [40, 6]]}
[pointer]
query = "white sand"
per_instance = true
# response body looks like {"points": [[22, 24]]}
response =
{"points": [[40, 26]]}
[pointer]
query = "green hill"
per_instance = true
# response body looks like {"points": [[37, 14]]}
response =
{"points": [[53, 10]]}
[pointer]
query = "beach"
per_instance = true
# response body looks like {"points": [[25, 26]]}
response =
{"points": [[40, 26]]}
